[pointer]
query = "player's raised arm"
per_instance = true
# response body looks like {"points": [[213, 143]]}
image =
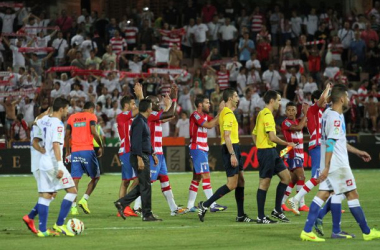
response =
{"points": [[171, 111], [325, 95], [303, 120]]}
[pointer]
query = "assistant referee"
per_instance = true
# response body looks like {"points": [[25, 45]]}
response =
{"points": [[229, 131], [270, 163]]}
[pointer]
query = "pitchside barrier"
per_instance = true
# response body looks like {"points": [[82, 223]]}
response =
{"points": [[17, 161]]}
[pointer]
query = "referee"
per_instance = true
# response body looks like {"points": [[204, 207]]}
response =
{"points": [[229, 131], [265, 138], [141, 149]]}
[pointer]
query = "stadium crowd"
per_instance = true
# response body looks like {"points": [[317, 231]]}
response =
{"points": [[201, 48]]}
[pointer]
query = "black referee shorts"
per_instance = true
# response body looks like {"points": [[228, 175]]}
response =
{"points": [[270, 162], [230, 170]]}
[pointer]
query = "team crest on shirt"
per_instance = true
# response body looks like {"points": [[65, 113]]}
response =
{"points": [[65, 181], [197, 116], [59, 129], [336, 123], [349, 182], [336, 131], [287, 123]]}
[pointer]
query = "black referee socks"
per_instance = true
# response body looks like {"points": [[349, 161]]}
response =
{"points": [[261, 197], [223, 190], [281, 188]]}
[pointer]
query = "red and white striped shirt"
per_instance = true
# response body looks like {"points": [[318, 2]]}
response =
{"points": [[118, 45], [170, 39], [223, 79], [131, 34], [293, 136], [336, 51], [198, 134], [257, 21], [314, 119], [124, 122], [156, 132]]}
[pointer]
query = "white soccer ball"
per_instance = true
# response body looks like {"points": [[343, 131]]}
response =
{"points": [[75, 226]]}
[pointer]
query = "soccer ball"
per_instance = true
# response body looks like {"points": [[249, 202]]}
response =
{"points": [[75, 226]]}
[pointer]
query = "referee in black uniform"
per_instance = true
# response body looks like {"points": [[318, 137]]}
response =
{"points": [[141, 149]]}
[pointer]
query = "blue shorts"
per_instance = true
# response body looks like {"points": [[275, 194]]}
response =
{"points": [[315, 155], [84, 162], [200, 161], [160, 169], [294, 163], [127, 172]]}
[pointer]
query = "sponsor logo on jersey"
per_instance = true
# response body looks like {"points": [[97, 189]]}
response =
{"points": [[336, 123], [59, 129], [79, 124], [349, 183], [197, 116], [336, 131], [65, 181], [288, 124]]}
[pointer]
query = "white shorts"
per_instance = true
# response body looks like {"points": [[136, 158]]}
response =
{"points": [[50, 184], [36, 175], [340, 181]]}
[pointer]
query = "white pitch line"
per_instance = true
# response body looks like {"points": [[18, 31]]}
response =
{"points": [[200, 226], [213, 225]]}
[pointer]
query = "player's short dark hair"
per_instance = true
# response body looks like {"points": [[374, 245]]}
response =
{"points": [[89, 105], [199, 99], [227, 93], [144, 105], [337, 92], [316, 95], [125, 100], [269, 95], [58, 83], [291, 104], [60, 103], [100, 104]]}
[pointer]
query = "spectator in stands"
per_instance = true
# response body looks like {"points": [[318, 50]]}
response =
{"points": [[199, 37], [175, 56], [64, 22], [19, 129], [57, 91], [208, 11], [311, 23], [183, 126], [209, 81], [272, 78], [78, 61], [228, 34], [358, 48], [346, 36], [246, 47], [369, 34]]}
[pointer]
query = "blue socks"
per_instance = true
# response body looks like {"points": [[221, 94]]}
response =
{"points": [[65, 208], [359, 216], [325, 209], [34, 212], [336, 211], [43, 212], [313, 214]]}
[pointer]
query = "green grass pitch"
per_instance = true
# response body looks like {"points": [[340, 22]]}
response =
{"points": [[219, 231]]}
